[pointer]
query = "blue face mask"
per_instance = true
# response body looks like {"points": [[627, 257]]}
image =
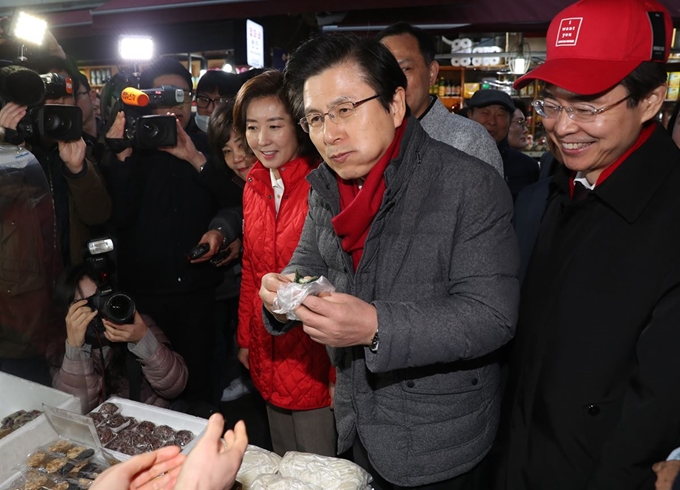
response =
{"points": [[202, 122]]}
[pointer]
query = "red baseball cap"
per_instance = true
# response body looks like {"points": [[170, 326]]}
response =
{"points": [[594, 44]]}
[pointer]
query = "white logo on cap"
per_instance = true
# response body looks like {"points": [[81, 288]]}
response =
{"points": [[567, 34]]}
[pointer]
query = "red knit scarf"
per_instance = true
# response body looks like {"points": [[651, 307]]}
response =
{"points": [[358, 207]]}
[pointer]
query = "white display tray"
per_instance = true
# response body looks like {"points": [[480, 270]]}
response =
{"points": [[20, 394], [159, 416]]}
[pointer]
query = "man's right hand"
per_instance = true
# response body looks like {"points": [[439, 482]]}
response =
{"points": [[117, 131], [269, 289], [11, 114]]}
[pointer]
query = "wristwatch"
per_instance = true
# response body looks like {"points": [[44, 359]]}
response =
{"points": [[375, 342]]}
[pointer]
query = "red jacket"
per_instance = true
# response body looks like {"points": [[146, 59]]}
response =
{"points": [[290, 371]]}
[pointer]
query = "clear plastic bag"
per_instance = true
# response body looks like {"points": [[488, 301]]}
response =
{"points": [[292, 294]]}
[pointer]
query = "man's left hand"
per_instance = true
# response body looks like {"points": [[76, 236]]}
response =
{"points": [[72, 153], [132, 332], [666, 473], [185, 148], [338, 320], [213, 238]]}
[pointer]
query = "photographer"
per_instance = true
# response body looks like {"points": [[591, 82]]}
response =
{"points": [[96, 364], [78, 190], [163, 201]]}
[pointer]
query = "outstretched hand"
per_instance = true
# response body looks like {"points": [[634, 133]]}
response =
{"points": [[157, 470], [214, 462]]}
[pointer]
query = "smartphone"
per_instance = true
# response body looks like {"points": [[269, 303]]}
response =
{"points": [[198, 251]]}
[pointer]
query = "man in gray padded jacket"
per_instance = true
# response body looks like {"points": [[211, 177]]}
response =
{"points": [[417, 238]]}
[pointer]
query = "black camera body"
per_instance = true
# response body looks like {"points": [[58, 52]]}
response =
{"points": [[148, 132], [53, 121], [112, 304], [143, 130], [23, 86]]}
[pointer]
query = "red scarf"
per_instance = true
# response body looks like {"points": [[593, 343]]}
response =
{"points": [[358, 207], [644, 136]]}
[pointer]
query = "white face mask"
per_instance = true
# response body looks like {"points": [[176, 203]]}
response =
{"points": [[202, 122]]}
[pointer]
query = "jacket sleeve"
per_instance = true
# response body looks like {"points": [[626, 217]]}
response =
{"points": [[163, 368], [479, 314], [78, 377], [306, 260], [229, 221], [249, 289], [648, 427], [90, 197]]}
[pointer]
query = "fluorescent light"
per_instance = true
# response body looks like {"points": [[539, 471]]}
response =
{"points": [[29, 28], [336, 28], [138, 48]]}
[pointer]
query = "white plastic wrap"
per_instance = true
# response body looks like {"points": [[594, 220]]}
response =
{"points": [[256, 462], [292, 294], [328, 473], [278, 482]]}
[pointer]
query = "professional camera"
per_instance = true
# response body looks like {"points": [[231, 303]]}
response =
{"points": [[22, 86], [112, 304], [143, 131]]}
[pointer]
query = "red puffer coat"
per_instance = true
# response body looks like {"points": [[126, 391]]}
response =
{"points": [[290, 371]]}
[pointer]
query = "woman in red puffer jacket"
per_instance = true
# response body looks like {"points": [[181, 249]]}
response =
{"points": [[292, 372]]}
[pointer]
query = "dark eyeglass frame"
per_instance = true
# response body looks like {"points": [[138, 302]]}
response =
{"points": [[215, 102], [332, 115]]}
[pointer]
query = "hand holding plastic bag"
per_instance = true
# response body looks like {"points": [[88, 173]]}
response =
{"points": [[292, 294]]}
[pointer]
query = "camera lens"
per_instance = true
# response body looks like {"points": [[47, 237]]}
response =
{"points": [[53, 122], [148, 130], [120, 308]]}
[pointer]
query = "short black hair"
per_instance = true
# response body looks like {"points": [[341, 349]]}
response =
{"points": [[648, 76], [377, 66], [269, 84], [425, 42], [164, 66], [226, 84], [521, 105], [82, 80], [219, 128]]}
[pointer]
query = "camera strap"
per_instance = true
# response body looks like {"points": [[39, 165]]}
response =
{"points": [[118, 144], [134, 376]]}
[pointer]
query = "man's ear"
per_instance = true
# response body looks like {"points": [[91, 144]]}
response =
{"points": [[651, 104], [398, 106], [434, 71]]}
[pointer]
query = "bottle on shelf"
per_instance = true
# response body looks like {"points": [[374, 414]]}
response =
{"points": [[442, 87], [434, 88]]}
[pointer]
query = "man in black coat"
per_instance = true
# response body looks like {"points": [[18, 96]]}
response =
{"points": [[164, 201], [593, 398]]}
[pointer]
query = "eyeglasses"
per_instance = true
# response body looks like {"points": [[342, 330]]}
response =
{"points": [[580, 113], [344, 110], [521, 121], [202, 101]]}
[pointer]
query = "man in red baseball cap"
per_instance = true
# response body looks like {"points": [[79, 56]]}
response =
{"points": [[594, 393]]}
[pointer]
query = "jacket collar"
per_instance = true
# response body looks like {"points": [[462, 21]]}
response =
{"points": [[630, 188], [291, 172]]}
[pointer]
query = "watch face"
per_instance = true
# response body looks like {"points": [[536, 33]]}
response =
{"points": [[375, 342]]}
